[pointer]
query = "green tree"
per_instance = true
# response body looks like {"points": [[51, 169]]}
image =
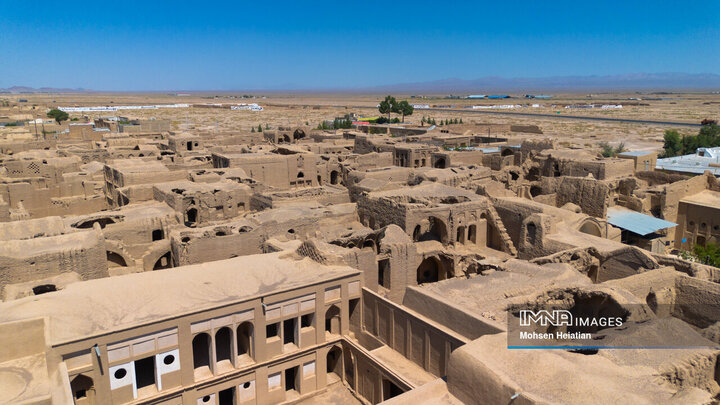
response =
{"points": [[405, 108], [620, 148], [253, 129], [58, 115], [461, 120], [388, 106], [259, 128], [708, 254], [607, 150], [672, 143]]}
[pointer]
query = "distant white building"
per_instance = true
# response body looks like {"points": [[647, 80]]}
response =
{"points": [[251, 107], [704, 159]]}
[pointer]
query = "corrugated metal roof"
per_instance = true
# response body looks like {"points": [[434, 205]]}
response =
{"points": [[635, 153], [636, 222]]}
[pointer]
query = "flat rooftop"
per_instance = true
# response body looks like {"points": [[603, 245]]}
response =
{"points": [[110, 304], [635, 153], [705, 198], [137, 166]]}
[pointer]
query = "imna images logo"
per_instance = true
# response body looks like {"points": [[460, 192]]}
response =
{"points": [[562, 317], [558, 317]]}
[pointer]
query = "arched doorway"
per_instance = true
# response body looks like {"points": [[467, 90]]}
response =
{"points": [[369, 244], [507, 152], [334, 364], [460, 235], [334, 177], [416, 233], [429, 270], [298, 134], [438, 231], [440, 163], [472, 233], [163, 262], [332, 320], [533, 174], [83, 390]]}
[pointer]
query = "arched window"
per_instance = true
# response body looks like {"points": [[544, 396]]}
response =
{"points": [[83, 390], [332, 320], [223, 345], [201, 350], [531, 232], [245, 339]]}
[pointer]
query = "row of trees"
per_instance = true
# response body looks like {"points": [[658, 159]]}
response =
{"points": [[431, 121], [677, 144], [338, 123], [390, 105]]}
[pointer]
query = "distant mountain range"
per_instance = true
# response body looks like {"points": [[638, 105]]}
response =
{"points": [[25, 89], [609, 83], [635, 81]]}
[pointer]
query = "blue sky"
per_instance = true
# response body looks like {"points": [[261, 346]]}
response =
{"points": [[219, 45]]}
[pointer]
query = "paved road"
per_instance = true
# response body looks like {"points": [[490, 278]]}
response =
{"points": [[557, 116]]}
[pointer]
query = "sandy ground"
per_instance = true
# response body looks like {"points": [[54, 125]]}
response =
{"points": [[335, 394], [311, 109]]}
